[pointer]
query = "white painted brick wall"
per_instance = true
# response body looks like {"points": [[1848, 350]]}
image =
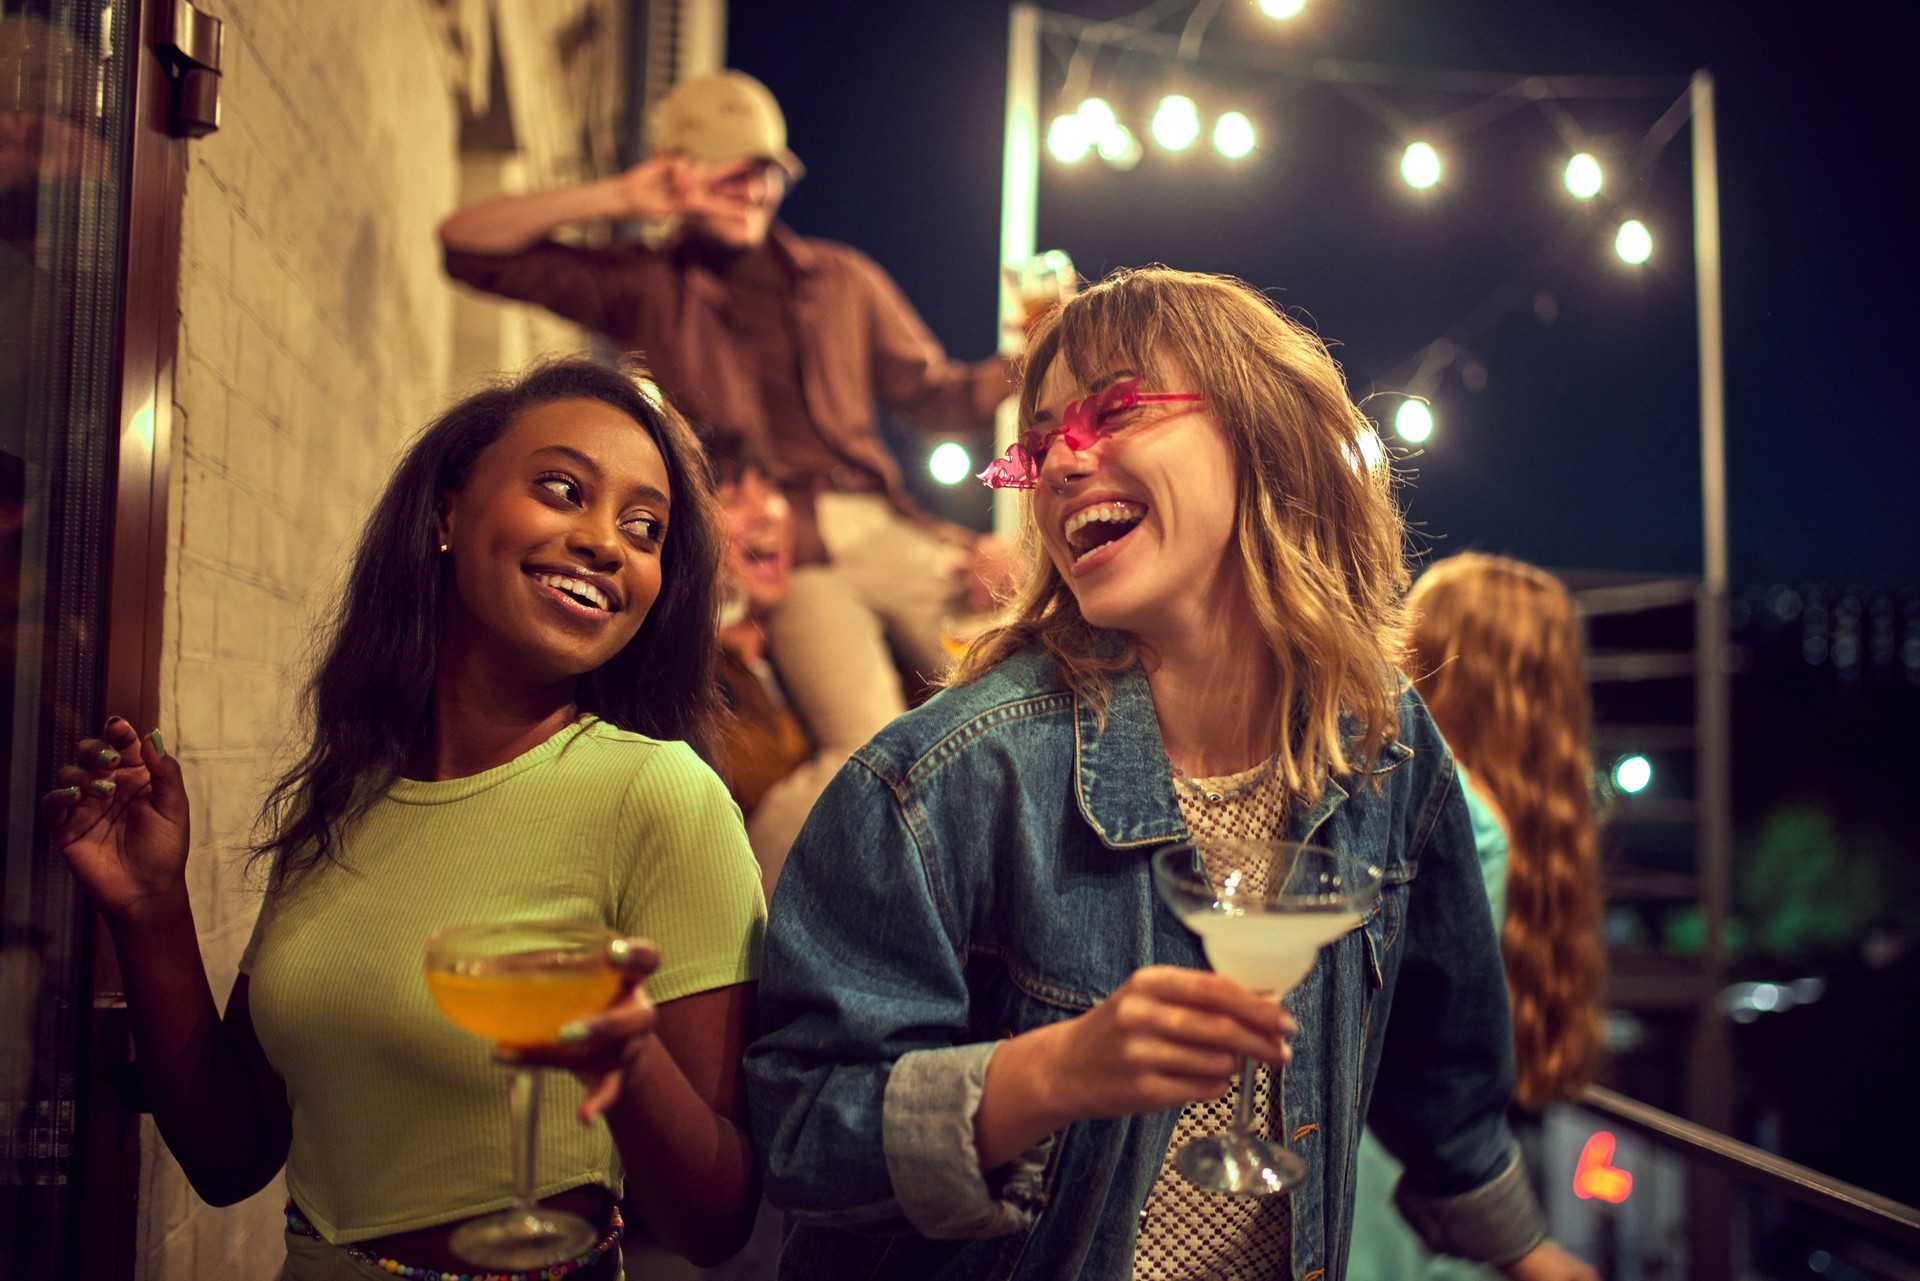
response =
{"points": [[317, 335]]}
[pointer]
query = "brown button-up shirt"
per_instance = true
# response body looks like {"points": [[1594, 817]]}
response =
{"points": [[860, 343]]}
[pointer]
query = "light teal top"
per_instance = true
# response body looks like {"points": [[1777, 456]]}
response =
{"points": [[1384, 1247]]}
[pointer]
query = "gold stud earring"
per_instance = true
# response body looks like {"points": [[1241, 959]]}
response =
{"points": [[445, 548]]}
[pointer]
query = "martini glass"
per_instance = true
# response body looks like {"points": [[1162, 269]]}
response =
{"points": [[518, 983], [1263, 909]]}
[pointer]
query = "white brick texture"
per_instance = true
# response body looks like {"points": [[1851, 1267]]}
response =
{"points": [[318, 333]]}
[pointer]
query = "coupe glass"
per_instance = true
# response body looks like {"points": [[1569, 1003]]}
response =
{"points": [[1263, 909], [518, 983]]}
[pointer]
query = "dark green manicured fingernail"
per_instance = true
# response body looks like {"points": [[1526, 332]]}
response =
{"points": [[108, 758], [573, 1033], [159, 744], [101, 786]]}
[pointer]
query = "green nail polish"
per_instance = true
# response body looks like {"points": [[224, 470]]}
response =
{"points": [[68, 793], [108, 758], [101, 786], [159, 744], [573, 1033]]}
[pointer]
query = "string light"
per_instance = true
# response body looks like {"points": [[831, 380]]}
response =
{"points": [[1176, 122], [1233, 135], [1420, 166], [1633, 242], [1067, 140], [1413, 422], [1583, 176]]}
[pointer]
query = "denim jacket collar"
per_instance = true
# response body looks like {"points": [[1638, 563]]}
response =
{"points": [[1123, 779]]}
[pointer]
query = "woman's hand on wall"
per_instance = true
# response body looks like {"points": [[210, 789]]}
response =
{"points": [[119, 817]]}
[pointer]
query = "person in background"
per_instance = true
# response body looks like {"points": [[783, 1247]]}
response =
{"points": [[767, 757], [504, 725], [981, 1027], [793, 341], [1496, 653]]}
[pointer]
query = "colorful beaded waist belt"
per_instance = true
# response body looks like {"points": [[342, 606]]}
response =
{"points": [[608, 1244]]}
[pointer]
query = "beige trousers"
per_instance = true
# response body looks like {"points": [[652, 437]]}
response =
{"points": [[891, 587]]}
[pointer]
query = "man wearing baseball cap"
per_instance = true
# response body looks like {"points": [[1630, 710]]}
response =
{"points": [[794, 342]]}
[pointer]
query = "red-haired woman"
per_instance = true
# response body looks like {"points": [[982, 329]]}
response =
{"points": [[1495, 650]]}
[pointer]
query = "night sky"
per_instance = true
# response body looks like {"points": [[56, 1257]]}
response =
{"points": [[1581, 449]]}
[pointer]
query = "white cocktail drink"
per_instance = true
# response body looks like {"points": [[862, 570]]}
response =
{"points": [[1262, 909], [1267, 952]]}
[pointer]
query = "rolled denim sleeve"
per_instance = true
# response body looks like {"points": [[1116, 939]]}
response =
{"points": [[867, 1072], [928, 1133], [1446, 1067], [1495, 1223]]}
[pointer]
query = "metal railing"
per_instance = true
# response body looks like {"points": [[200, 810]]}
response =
{"points": [[1878, 1214]]}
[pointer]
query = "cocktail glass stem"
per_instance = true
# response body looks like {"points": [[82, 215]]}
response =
{"points": [[1243, 1106], [523, 1111]]}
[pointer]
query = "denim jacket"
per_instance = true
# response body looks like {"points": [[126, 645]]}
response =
{"points": [[980, 869]]}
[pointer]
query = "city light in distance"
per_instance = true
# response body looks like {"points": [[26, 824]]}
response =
{"points": [[1634, 243], [950, 463], [1413, 421], [1631, 774], [1233, 135], [1176, 122], [1067, 140], [1583, 176], [1282, 9], [1420, 166]]}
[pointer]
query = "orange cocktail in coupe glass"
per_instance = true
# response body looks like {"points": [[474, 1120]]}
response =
{"points": [[517, 983]]}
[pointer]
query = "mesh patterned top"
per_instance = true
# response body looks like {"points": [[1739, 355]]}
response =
{"points": [[1186, 1233]]}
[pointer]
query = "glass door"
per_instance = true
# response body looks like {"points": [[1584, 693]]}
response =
{"points": [[89, 209]]}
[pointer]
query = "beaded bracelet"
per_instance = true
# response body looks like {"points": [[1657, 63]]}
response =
{"points": [[608, 1244]]}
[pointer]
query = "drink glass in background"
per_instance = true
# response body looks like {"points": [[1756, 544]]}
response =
{"points": [[1263, 909], [1039, 285], [518, 983]]}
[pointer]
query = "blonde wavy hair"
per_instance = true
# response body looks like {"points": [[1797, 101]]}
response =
{"points": [[1497, 655], [1320, 537]]}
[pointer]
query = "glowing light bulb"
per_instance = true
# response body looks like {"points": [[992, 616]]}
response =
{"points": [[1631, 774], [1067, 139], [949, 463], [1413, 421], [1282, 9], [1096, 117], [1120, 148], [1583, 176], [1634, 243], [1233, 135], [1176, 122], [1420, 166]]}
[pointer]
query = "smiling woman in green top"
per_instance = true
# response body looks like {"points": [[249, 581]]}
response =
{"points": [[503, 726]]}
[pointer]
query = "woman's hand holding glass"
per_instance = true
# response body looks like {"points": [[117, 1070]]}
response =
{"points": [[605, 1050], [118, 815], [1166, 1037]]}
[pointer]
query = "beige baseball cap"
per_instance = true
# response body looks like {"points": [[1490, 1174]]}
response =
{"points": [[723, 117]]}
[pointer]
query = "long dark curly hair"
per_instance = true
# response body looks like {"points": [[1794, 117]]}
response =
{"points": [[370, 701]]}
